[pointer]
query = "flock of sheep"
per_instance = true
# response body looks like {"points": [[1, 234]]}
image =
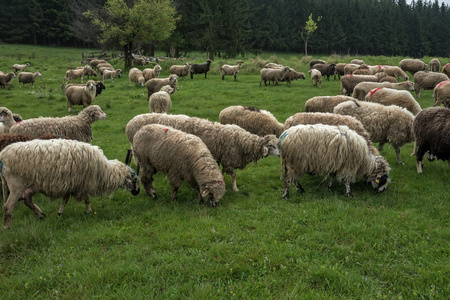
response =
{"points": [[334, 136]]}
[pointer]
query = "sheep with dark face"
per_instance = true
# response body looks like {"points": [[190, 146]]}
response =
{"points": [[330, 150], [427, 81], [200, 68], [182, 156], [326, 69], [432, 135], [85, 173], [27, 77]]}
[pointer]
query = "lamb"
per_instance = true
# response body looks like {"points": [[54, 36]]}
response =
{"points": [[254, 120], [330, 150], [293, 75], [333, 120], [27, 77], [152, 73], [434, 65], [200, 68], [73, 127], [20, 68], [160, 102], [274, 75], [99, 87], [316, 77], [139, 61], [446, 69], [154, 85], [111, 74], [395, 71], [5, 79], [95, 62], [77, 73], [230, 70], [350, 68], [232, 146], [181, 156], [324, 103], [316, 61], [326, 70], [431, 132], [348, 82], [386, 124], [427, 81], [388, 96], [412, 65], [135, 75], [441, 93], [361, 89], [81, 95], [59, 169], [181, 71]]}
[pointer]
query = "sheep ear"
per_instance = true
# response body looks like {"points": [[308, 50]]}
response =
{"points": [[205, 193], [265, 151]]}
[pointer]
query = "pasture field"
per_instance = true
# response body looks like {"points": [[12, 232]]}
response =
{"points": [[254, 245]]}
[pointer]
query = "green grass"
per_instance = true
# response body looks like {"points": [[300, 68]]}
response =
{"points": [[254, 245]]}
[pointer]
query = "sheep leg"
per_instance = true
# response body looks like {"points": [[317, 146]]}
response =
{"points": [[129, 156], [16, 188], [174, 193], [27, 195], [419, 159], [147, 180], [298, 186], [233, 180], [380, 146], [88, 205], [348, 193], [330, 181], [397, 152], [63, 205], [286, 184]]}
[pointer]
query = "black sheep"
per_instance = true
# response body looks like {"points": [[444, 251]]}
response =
{"points": [[200, 68], [326, 69]]}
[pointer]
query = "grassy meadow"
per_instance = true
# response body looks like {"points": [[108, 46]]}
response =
{"points": [[254, 245]]}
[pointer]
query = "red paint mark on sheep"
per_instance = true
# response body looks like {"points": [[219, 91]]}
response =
{"points": [[442, 83], [374, 91], [165, 129]]}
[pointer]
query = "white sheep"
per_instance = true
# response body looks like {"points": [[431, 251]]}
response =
{"points": [[154, 85], [396, 72], [160, 102], [182, 156], [412, 65], [20, 68], [60, 168], [104, 65], [441, 93], [230, 70], [361, 89], [254, 120], [324, 103], [135, 76], [180, 71], [151, 73], [103, 69], [386, 124], [350, 68], [348, 82], [76, 73], [388, 96], [357, 61], [5, 79], [74, 127], [427, 80], [27, 77], [316, 77], [81, 95], [330, 150], [275, 75], [111, 74], [95, 62], [435, 65]]}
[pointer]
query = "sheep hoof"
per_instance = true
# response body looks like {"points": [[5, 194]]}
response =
{"points": [[286, 195]]}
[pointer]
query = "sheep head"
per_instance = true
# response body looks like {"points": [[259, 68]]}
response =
{"points": [[95, 112], [270, 145], [380, 177], [4, 114], [132, 182]]}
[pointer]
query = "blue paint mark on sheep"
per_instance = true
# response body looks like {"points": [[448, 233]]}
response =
{"points": [[281, 138]]}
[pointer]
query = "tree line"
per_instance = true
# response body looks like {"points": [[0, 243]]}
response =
{"points": [[226, 28]]}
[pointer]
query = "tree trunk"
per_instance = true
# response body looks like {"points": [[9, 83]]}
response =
{"points": [[306, 47], [128, 57]]}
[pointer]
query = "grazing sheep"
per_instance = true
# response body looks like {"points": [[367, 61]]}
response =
{"points": [[357, 61], [427, 81], [232, 146], [139, 61], [431, 132], [151, 73], [326, 70], [412, 65], [396, 72], [275, 75], [361, 89], [350, 68], [316, 77], [73, 127], [348, 82], [376, 69], [77, 73], [59, 169], [95, 62], [181, 156], [81, 95], [389, 79], [104, 65], [363, 70], [446, 69], [333, 120], [254, 120], [330, 150], [200, 68], [160, 102], [316, 61], [5, 79], [111, 74], [154, 85], [324, 103], [435, 65], [90, 72], [388, 96], [135, 75], [20, 68], [293, 75], [386, 124], [26, 77], [441, 93], [339, 68], [99, 87], [230, 70], [103, 69], [181, 71]]}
